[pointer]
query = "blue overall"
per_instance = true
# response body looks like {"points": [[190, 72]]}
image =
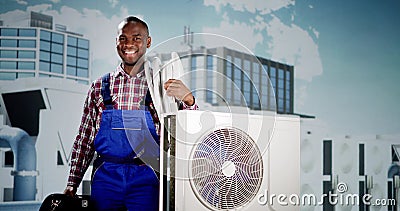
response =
{"points": [[127, 145]]}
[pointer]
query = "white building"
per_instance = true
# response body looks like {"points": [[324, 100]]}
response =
{"points": [[49, 110], [34, 49], [354, 165]]}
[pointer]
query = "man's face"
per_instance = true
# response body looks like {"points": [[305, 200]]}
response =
{"points": [[132, 42]]}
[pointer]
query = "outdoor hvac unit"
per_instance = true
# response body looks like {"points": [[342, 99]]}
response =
{"points": [[224, 161]]}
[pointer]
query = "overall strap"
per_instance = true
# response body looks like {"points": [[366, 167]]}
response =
{"points": [[105, 91], [147, 99]]}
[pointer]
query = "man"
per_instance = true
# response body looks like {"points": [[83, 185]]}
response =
{"points": [[122, 180]]}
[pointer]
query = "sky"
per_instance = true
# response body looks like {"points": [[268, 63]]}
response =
{"points": [[346, 54]]}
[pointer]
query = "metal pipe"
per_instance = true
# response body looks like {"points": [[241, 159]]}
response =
{"points": [[23, 147]]}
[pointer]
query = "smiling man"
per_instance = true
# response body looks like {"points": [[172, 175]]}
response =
{"points": [[121, 180], [132, 41]]}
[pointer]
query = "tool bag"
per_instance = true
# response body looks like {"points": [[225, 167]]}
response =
{"points": [[61, 202]]}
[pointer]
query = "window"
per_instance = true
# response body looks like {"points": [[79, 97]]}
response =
{"points": [[288, 91], [83, 63], [228, 73], [193, 73], [26, 54], [44, 56], [8, 43], [56, 37], [56, 68], [71, 70], [26, 65], [51, 52], [44, 66], [9, 32], [72, 41], [83, 53], [265, 87], [57, 48], [8, 54], [27, 43], [209, 81], [82, 72], [8, 76], [27, 32], [246, 82], [8, 65], [77, 57], [56, 58], [8, 158], [256, 89], [45, 35], [44, 45], [327, 157], [83, 43], [361, 160], [237, 78], [288, 105], [272, 77], [281, 105], [71, 61], [281, 87], [71, 51]]}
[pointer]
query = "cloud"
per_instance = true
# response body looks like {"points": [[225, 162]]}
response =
{"points": [[113, 3], [300, 95], [55, 1], [286, 43], [234, 32], [21, 2], [293, 45], [41, 8], [264, 7], [15, 18]]}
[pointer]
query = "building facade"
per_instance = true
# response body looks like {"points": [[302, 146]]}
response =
{"points": [[222, 76], [37, 50]]}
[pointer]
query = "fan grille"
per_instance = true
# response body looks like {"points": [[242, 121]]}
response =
{"points": [[217, 183]]}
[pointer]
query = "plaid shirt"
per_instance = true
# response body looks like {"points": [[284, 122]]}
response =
{"points": [[127, 93]]}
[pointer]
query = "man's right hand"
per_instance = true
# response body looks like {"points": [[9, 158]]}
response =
{"points": [[70, 191]]}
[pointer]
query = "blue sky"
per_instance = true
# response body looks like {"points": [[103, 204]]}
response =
{"points": [[346, 54]]}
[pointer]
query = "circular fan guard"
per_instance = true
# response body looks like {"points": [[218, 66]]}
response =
{"points": [[217, 187]]}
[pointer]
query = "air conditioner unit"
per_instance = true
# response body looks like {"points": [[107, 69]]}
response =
{"points": [[225, 161]]}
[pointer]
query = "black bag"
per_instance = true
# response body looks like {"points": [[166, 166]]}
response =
{"points": [[61, 202]]}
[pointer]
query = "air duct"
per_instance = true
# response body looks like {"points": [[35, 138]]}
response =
{"points": [[23, 147]]}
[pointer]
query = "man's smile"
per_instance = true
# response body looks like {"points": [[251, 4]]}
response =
{"points": [[130, 52]]}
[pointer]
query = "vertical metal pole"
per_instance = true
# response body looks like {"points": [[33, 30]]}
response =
{"points": [[172, 129]]}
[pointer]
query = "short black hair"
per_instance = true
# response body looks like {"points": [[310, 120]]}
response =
{"points": [[133, 19]]}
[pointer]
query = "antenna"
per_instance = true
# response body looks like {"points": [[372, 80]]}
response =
{"points": [[188, 37]]}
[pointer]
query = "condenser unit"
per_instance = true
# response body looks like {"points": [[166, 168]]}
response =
{"points": [[225, 161]]}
